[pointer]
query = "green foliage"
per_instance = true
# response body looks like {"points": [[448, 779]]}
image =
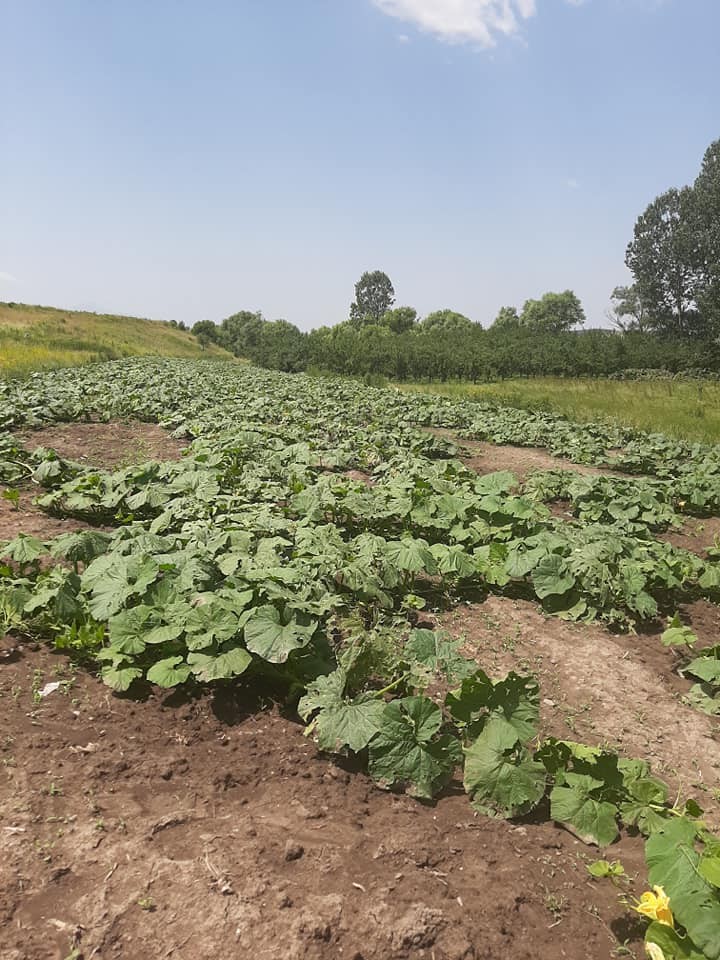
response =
{"points": [[677, 634], [507, 319], [374, 296], [673, 863], [553, 313], [304, 528], [675, 256], [400, 320], [446, 322], [705, 668]]}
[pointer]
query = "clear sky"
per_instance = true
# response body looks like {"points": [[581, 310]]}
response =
{"points": [[185, 159]]}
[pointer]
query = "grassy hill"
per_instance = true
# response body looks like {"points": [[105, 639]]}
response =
{"points": [[38, 338]]}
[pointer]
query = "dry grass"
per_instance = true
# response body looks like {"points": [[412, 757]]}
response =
{"points": [[40, 338]]}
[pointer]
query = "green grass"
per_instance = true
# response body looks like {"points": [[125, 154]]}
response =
{"points": [[41, 338], [688, 410]]}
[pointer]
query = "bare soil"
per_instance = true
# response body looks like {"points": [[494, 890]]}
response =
{"points": [[158, 828], [117, 443], [30, 519], [696, 535], [599, 687], [108, 445], [485, 457]]}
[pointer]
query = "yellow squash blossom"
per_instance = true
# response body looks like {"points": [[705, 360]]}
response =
{"points": [[655, 904], [654, 952]]}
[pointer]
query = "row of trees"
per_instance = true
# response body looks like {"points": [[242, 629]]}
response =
{"points": [[375, 296], [381, 338], [470, 353], [668, 318]]}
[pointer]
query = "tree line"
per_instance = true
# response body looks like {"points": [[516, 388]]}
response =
{"points": [[668, 318]]}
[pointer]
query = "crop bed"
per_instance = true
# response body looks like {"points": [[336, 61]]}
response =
{"points": [[216, 555]]}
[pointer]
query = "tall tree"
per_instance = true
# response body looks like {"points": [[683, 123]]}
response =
{"points": [[664, 259], [553, 312], [374, 295], [707, 218]]}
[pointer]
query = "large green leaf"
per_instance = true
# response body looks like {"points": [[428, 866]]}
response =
{"points": [[551, 577], [576, 803], [500, 776], [23, 549], [673, 946], [349, 723], [274, 637], [514, 698], [231, 663], [673, 863], [407, 749], [411, 556], [169, 672]]}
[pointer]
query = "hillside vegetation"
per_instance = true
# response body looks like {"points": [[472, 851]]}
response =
{"points": [[40, 338]]}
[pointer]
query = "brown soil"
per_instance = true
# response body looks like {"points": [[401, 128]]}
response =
{"points": [[196, 830], [695, 535], [599, 687], [360, 477], [31, 520], [114, 444], [485, 457], [108, 445]]}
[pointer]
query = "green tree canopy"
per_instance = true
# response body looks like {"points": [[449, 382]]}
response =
{"points": [[240, 332], [400, 319], [553, 312], [374, 295], [663, 257], [205, 332], [628, 312], [448, 320], [507, 319], [707, 222]]}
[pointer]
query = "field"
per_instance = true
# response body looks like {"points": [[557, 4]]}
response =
{"points": [[42, 338], [298, 667], [684, 409]]}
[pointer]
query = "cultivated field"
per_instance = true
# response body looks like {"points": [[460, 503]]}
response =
{"points": [[297, 667]]}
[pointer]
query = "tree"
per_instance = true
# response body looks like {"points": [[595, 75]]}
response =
{"points": [[507, 319], [241, 332], [206, 332], [446, 320], [627, 312], [664, 259], [374, 295], [400, 319], [706, 206], [553, 312]]}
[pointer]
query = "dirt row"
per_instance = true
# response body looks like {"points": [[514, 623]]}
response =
{"points": [[213, 827]]}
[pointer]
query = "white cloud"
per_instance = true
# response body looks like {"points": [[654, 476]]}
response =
{"points": [[464, 21], [403, 38], [7, 277], [573, 184]]}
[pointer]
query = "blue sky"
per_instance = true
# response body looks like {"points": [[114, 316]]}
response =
{"points": [[185, 160]]}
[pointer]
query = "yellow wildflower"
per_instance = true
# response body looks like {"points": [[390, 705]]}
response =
{"points": [[655, 904], [654, 952]]}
